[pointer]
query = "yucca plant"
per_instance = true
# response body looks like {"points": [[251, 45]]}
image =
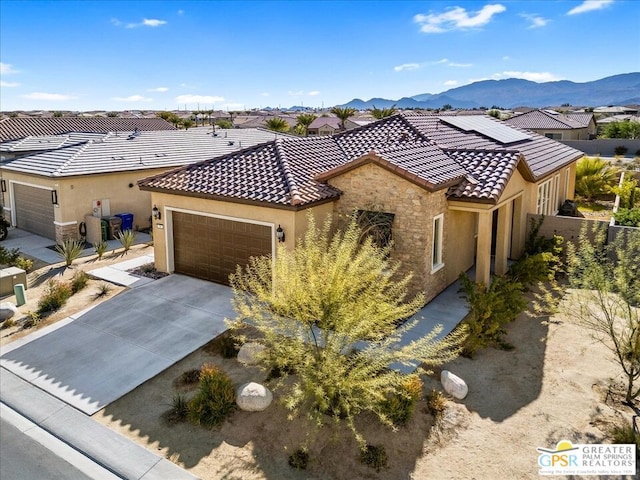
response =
{"points": [[127, 238], [100, 248], [70, 250]]}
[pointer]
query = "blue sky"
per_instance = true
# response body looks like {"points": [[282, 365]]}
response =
{"points": [[155, 55]]}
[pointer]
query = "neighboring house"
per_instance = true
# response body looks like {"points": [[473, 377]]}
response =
{"points": [[555, 125], [604, 121], [453, 191], [61, 179], [330, 125], [260, 121], [14, 128]]}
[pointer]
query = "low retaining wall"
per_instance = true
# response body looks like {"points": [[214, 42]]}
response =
{"points": [[605, 147]]}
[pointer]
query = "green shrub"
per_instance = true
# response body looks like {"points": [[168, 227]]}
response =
{"points": [[490, 309], [628, 192], [9, 257], [594, 177], [56, 295], [299, 459], [79, 281], [70, 250], [374, 456], [531, 269], [215, 399], [24, 264], [628, 217], [399, 407], [127, 238], [179, 410], [625, 434], [436, 403], [100, 248]]}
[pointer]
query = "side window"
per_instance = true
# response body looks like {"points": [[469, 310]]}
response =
{"points": [[438, 230]]}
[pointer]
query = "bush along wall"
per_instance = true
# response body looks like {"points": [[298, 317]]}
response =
{"points": [[493, 306]]}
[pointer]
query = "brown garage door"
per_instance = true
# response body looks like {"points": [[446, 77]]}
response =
{"points": [[34, 210], [210, 248]]}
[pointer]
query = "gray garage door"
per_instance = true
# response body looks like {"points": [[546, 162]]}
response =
{"points": [[34, 210], [210, 248]]}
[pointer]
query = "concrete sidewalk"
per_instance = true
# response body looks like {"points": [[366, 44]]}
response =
{"points": [[101, 445]]}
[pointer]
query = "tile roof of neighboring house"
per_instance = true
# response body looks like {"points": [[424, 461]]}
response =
{"points": [[319, 122], [261, 121], [542, 119], [422, 148], [14, 128], [49, 142], [115, 152]]}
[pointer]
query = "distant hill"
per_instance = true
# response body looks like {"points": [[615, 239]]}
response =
{"points": [[621, 89]]}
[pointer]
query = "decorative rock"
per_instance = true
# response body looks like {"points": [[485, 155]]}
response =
{"points": [[7, 310], [453, 385], [253, 397], [249, 352]]}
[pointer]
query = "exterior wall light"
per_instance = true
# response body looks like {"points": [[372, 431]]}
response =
{"points": [[280, 234], [156, 213], [54, 197], [3, 185]]}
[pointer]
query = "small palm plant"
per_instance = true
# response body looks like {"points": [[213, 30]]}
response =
{"points": [[100, 248], [127, 238], [595, 176], [70, 250]]}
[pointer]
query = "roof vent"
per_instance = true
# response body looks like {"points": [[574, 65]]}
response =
{"points": [[231, 142]]}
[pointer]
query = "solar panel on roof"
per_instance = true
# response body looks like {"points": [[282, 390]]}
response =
{"points": [[487, 127]]}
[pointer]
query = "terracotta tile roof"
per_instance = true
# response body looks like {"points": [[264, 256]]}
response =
{"points": [[258, 174], [541, 120], [422, 148], [488, 173], [14, 128]]}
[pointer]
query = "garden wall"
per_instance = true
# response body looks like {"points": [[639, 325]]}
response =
{"points": [[567, 227], [605, 147]]}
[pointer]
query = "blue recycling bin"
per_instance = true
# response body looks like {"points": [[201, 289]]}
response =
{"points": [[127, 220]]}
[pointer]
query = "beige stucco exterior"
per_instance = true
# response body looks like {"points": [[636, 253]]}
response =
{"points": [[468, 227], [76, 196], [294, 223]]}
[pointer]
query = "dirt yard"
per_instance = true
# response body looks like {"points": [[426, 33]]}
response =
{"points": [[553, 386]]}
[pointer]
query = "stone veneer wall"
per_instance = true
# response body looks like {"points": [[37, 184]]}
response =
{"points": [[66, 232], [371, 187]]}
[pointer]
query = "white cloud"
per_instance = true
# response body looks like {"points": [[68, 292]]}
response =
{"points": [[506, 58], [7, 69], [180, 12], [265, 94], [8, 84], [460, 65], [48, 96], [535, 21], [295, 93], [314, 93], [146, 22], [457, 18], [198, 99], [532, 76], [406, 66], [159, 89], [152, 22], [133, 98], [589, 6], [450, 83]]}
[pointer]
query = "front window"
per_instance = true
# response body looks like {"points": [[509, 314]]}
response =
{"points": [[438, 229]]}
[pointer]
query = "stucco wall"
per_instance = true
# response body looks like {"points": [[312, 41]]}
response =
{"points": [[371, 187], [293, 223]]}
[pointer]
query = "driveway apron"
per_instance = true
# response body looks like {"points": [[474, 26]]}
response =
{"points": [[111, 349]]}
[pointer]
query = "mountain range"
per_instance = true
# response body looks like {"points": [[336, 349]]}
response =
{"points": [[623, 89]]}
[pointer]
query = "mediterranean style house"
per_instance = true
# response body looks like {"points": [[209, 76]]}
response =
{"points": [[452, 192]]}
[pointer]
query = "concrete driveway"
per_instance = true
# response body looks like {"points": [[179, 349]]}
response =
{"points": [[94, 358]]}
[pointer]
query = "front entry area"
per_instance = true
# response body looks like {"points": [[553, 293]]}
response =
{"points": [[210, 247]]}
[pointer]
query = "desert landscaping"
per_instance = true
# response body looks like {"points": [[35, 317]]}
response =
{"points": [[558, 383]]}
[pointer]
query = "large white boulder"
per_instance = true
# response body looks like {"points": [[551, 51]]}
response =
{"points": [[7, 310], [249, 353], [253, 397], [453, 385]]}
